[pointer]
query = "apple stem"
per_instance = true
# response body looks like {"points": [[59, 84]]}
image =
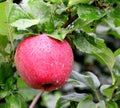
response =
{"points": [[36, 99]]}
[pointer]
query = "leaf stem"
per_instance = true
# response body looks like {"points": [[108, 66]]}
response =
{"points": [[11, 37], [36, 99], [113, 78], [97, 95]]}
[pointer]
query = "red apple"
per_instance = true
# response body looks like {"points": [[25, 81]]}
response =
{"points": [[43, 62]]}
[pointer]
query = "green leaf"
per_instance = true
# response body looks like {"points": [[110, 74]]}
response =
{"points": [[17, 13], [90, 13], [101, 104], [20, 18], [3, 94], [54, 1], [88, 79], [15, 101], [117, 22], [10, 83], [116, 68], [114, 1], [95, 46], [40, 10], [112, 104], [21, 83], [1, 58], [50, 99], [117, 94], [27, 93], [3, 19], [115, 12], [71, 97], [117, 52], [108, 90], [115, 31], [6, 71], [90, 104], [3, 43], [59, 34], [74, 2], [24, 23], [86, 104], [2, 105]]}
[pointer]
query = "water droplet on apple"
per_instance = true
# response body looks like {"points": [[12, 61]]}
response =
{"points": [[57, 81], [51, 64], [56, 88]]}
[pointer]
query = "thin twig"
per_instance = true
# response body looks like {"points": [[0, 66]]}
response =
{"points": [[69, 21], [36, 99]]}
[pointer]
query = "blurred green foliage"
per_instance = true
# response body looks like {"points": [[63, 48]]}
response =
{"points": [[92, 27]]}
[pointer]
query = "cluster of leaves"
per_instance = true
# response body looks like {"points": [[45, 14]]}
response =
{"points": [[75, 20]]}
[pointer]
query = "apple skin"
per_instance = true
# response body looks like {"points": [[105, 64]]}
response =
{"points": [[43, 62]]}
